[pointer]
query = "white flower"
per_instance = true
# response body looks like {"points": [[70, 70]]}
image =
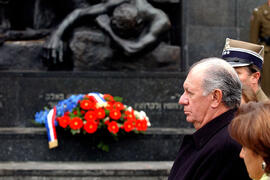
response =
{"points": [[101, 104], [142, 115], [130, 108]]}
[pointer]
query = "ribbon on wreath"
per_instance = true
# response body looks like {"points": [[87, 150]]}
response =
{"points": [[50, 126], [51, 117], [97, 97]]}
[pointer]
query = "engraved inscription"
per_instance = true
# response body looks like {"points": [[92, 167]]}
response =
{"points": [[148, 106], [52, 98], [171, 106], [158, 106]]}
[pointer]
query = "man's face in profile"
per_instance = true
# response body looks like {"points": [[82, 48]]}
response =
{"points": [[196, 103], [244, 75]]}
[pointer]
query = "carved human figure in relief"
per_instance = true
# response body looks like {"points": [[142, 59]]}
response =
{"points": [[132, 24]]}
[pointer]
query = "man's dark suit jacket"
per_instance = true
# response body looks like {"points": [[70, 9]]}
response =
{"points": [[210, 153]]}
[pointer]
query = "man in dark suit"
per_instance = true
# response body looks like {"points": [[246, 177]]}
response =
{"points": [[212, 92]]}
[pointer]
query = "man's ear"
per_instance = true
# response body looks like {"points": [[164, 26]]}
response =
{"points": [[216, 98], [255, 77]]}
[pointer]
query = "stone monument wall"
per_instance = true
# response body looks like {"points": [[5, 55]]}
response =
{"points": [[207, 23]]}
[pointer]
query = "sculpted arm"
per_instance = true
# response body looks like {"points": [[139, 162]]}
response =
{"points": [[54, 46]]}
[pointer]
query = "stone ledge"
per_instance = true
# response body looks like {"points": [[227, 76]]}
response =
{"points": [[42, 131], [93, 74], [139, 168], [31, 144]]}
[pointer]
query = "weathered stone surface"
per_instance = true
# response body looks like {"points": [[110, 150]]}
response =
{"points": [[156, 93], [244, 11], [211, 12], [150, 170], [21, 55], [206, 24], [244, 33], [207, 41], [92, 50], [24, 144]]}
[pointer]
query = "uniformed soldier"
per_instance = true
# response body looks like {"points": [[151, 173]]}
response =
{"points": [[247, 60], [260, 34]]}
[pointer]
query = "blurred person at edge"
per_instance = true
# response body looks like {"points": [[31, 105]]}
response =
{"points": [[251, 128], [212, 93]]}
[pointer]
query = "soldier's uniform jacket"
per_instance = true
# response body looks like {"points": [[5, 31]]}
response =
{"points": [[260, 34], [260, 25]]}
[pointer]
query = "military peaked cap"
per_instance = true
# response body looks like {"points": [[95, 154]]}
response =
{"points": [[240, 53]]}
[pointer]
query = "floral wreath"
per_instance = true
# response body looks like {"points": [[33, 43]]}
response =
{"points": [[92, 113]]}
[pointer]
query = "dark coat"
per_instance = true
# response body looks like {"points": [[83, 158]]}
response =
{"points": [[210, 154]]}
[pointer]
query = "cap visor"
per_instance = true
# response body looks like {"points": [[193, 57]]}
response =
{"points": [[239, 64]]}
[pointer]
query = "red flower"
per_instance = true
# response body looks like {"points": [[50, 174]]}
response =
{"points": [[86, 104], [109, 105], [113, 127], [141, 125], [118, 105], [128, 126], [64, 121], [107, 122], [90, 116], [76, 123], [108, 97], [115, 114], [90, 127], [130, 116], [100, 113]]}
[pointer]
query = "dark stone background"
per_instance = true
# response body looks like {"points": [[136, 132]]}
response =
{"points": [[207, 23]]}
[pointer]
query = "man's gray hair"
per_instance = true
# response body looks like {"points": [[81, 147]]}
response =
{"points": [[221, 75]]}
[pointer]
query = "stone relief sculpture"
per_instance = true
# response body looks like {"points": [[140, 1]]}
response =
{"points": [[89, 35], [131, 25]]}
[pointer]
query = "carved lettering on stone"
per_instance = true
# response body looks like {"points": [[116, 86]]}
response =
{"points": [[171, 106], [157, 106], [54, 96]]}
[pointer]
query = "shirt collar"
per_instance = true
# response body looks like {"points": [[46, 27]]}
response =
{"points": [[204, 134]]}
